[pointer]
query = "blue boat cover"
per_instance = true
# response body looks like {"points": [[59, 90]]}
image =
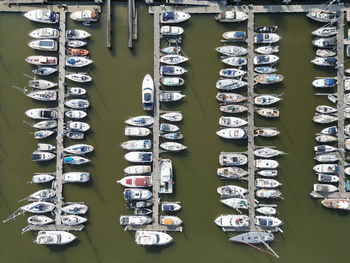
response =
{"points": [[68, 159], [331, 60], [240, 34], [167, 208], [53, 16], [147, 97], [167, 69], [329, 82], [168, 16], [263, 58], [260, 37], [127, 194], [264, 222]]}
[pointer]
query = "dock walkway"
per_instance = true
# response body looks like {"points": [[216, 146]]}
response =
{"points": [[56, 8]]}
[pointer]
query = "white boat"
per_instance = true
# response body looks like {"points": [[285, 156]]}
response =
{"points": [[236, 203], [42, 114], [232, 73], [139, 157], [78, 62], [325, 188], [77, 34], [43, 44], [266, 152], [171, 30], [41, 84], [79, 77], [170, 221], [323, 138], [326, 168], [268, 173], [172, 146], [79, 149], [266, 132], [347, 129], [232, 159], [324, 149], [266, 210], [266, 100], [329, 42], [152, 238], [324, 118], [325, 53], [43, 16], [136, 131], [172, 70], [44, 71], [73, 220], [76, 91], [76, 43], [77, 104], [232, 173], [165, 127], [268, 112], [231, 191], [173, 17], [39, 220], [235, 61], [76, 177], [170, 96], [320, 61], [41, 134], [42, 195], [38, 207], [266, 38], [325, 31], [140, 121], [325, 109], [138, 169], [172, 116], [171, 50], [322, 15], [54, 238], [268, 79], [172, 136], [133, 194], [43, 95], [172, 81], [324, 82], [135, 145], [253, 237], [74, 135], [85, 16], [230, 97], [46, 147], [234, 51], [268, 193], [267, 50], [47, 124], [327, 157], [136, 181], [265, 164], [231, 16], [265, 59], [125, 220], [165, 176], [147, 93], [77, 126], [267, 183], [232, 221], [75, 160], [232, 122], [234, 35], [45, 32], [75, 114], [170, 206], [232, 133], [173, 59], [42, 60], [41, 178], [347, 83], [230, 84], [267, 221], [75, 209]]}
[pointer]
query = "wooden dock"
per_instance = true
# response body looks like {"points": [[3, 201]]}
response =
{"points": [[56, 8], [108, 24], [130, 22]]}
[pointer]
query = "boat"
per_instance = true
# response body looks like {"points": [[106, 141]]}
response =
{"points": [[231, 16], [172, 116], [172, 146], [136, 131], [233, 108], [76, 43], [236, 203], [322, 15], [266, 38], [234, 35], [77, 52], [266, 132], [266, 210], [76, 91], [324, 82], [253, 238], [171, 30], [77, 126], [234, 51], [38, 207], [47, 124], [138, 169], [348, 50], [172, 81], [137, 145], [327, 178], [232, 221], [152, 238], [75, 114], [268, 112], [329, 42], [147, 93], [75, 160], [230, 97], [42, 114], [324, 148], [323, 138], [265, 70], [165, 176], [325, 53], [170, 96], [266, 100], [139, 157], [133, 194], [77, 34], [266, 152], [79, 149], [172, 70], [142, 211], [232, 73], [265, 164], [268, 78], [41, 84], [75, 209], [325, 188], [319, 61], [76, 177], [336, 203], [78, 62], [42, 60], [44, 71], [268, 173], [232, 173], [171, 50], [125, 220], [79, 77], [165, 127], [140, 121], [173, 17], [77, 104], [39, 220], [138, 204], [43, 44], [325, 31], [41, 134], [54, 238], [347, 129], [172, 136], [325, 109], [73, 220], [136, 181], [41, 178], [267, 221], [235, 61], [266, 183], [45, 32], [347, 82], [267, 50], [324, 118], [232, 133], [170, 221], [45, 16], [43, 95], [268, 193], [231, 191], [232, 159], [85, 16], [265, 59], [173, 59], [39, 156], [42, 195], [170, 206], [266, 29], [326, 168], [232, 122], [230, 84]]}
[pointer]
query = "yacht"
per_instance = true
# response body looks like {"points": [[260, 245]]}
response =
{"points": [[42, 114], [232, 221], [152, 238], [139, 157], [133, 194], [329, 42], [42, 60], [54, 238], [77, 34], [42, 16], [79, 149], [39, 156], [43, 44], [73, 220], [136, 181], [75, 209], [45, 32], [328, 62], [76, 177], [85, 16], [173, 17], [138, 169], [147, 93], [231, 16], [166, 176]]}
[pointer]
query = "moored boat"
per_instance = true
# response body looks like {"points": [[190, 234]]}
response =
{"points": [[152, 238], [231, 173], [136, 181], [232, 133], [43, 44], [75, 209], [139, 157], [235, 61], [125, 220], [173, 59], [76, 177], [138, 169], [54, 238], [232, 159], [172, 146], [265, 164], [73, 220], [75, 160], [140, 121], [232, 221], [253, 238], [231, 16], [77, 34], [133, 145], [322, 15], [45, 16], [265, 59], [45, 32], [266, 100], [171, 30], [132, 194], [336, 203], [42, 60], [230, 97], [234, 51], [173, 17], [268, 112], [79, 149], [267, 50], [233, 108], [147, 93], [136, 131], [85, 16], [232, 122], [79, 77], [231, 191], [43, 95], [171, 221]]}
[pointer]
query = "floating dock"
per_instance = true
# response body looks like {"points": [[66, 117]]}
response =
{"points": [[108, 24]]}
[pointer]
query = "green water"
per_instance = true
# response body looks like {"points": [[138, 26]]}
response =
{"points": [[311, 233]]}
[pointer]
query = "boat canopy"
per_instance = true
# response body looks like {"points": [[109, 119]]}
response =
{"points": [[263, 59], [329, 82], [331, 60], [167, 208], [168, 16], [46, 43], [264, 222], [167, 69], [239, 34], [147, 97]]}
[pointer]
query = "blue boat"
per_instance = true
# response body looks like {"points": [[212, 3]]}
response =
{"points": [[75, 160]]}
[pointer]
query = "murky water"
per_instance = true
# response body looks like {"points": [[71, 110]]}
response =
{"points": [[311, 233]]}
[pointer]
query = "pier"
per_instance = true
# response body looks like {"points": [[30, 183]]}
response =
{"points": [[108, 23]]}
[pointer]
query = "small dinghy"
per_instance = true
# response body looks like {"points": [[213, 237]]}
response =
{"points": [[231, 191], [78, 62], [136, 181], [79, 149], [136, 131], [332, 130], [54, 238], [266, 132], [232, 173], [267, 50], [172, 136], [268, 193], [325, 53], [322, 138], [267, 221], [321, 15], [320, 61], [73, 220], [324, 149], [266, 38], [75, 114], [77, 34], [171, 30], [172, 81], [38, 207], [42, 114], [41, 178], [125, 220], [232, 159], [75, 160], [42, 60], [45, 16], [266, 152], [265, 59], [43, 44], [327, 31], [76, 177], [165, 127], [265, 164], [266, 210], [327, 158], [235, 61], [325, 188], [324, 109], [46, 147], [45, 32], [78, 126], [139, 157], [85, 16], [266, 29], [43, 95], [152, 238], [77, 104], [170, 96], [172, 146], [265, 70], [77, 52], [75, 209], [232, 73], [140, 121], [172, 116], [324, 118], [42, 134], [133, 194], [138, 169], [234, 51], [266, 183], [234, 35], [76, 43], [231, 16], [232, 221], [137, 145], [42, 195], [326, 168], [173, 59], [236, 203], [232, 122], [173, 17], [230, 84], [172, 70], [268, 112], [41, 84], [324, 83], [230, 97], [48, 124], [44, 71], [266, 100], [39, 220], [253, 238], [330, 42], [170, 206], [171, 221], [233, 108], [171, 50], [268, 78], [79, 77], [232, 133]]}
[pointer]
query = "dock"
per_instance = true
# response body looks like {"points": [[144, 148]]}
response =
{"points": [[132, 22], [108, 24]]}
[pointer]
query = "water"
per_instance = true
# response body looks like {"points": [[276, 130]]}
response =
{"points": [[311, 233]]}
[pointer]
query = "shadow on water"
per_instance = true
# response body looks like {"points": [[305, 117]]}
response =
{"points": [[93, 248]]}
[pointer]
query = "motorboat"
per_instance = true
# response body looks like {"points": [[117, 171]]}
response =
{"points": [[266, 183], [75, 209], [78, 62], [232, 173], [38, 207], [230, 97], [39, 156], [165, 176], [236, 203], [234, 35], [171, 221], [171, 30], [140, 121], [336, 203], [232, 73], [45, 16], [266, 38], [77, 104], [330, 42], [325, 53], [77, 52], [75, 160], [172, 81], [139, 157], [320, 61], [136, 131], [173, 17], [142, 211], [79, 149], [42, 60], [41, 84], [172, 116], [75, 114], [232, 159], [172, 70], [85, 16], [234, 61], [76, 177], [266, 152], [170, 96], [233, 108], [266, 132], [268, 78], [266, 210], [42, 134], [265, 70], [325, 31], [77, 126], [232, 122], [138, 204], [234, 51], [267, 50], [267, 221], [170, 206], [324, 149], [147, 93], [79, 77], [42, 195], [268, 112], [44, 71], [268, 173], [41, 178], [47, 124], [137, 145], [265, 164], [324, 118], [54, 238], [253, 238], [232, 221], [326, 168], [172, 136], [322, 15], [324, 82], [327, 178], [73, 220], [43, 44], [133, 220], [232, 133], [230, 84], [231, 191], [165, 127], [152, 238], [43, 95], [266, 100], [133, 194], [138, 169], [45, 32], [266, 29], [325, 188], [265, 59], [77, 34], [173, 59], [231, 16], [42, 114], [172, 146], [325, 109], [76, 43], [323, 138], [171, 50], [136, 181], [39, 220]]}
